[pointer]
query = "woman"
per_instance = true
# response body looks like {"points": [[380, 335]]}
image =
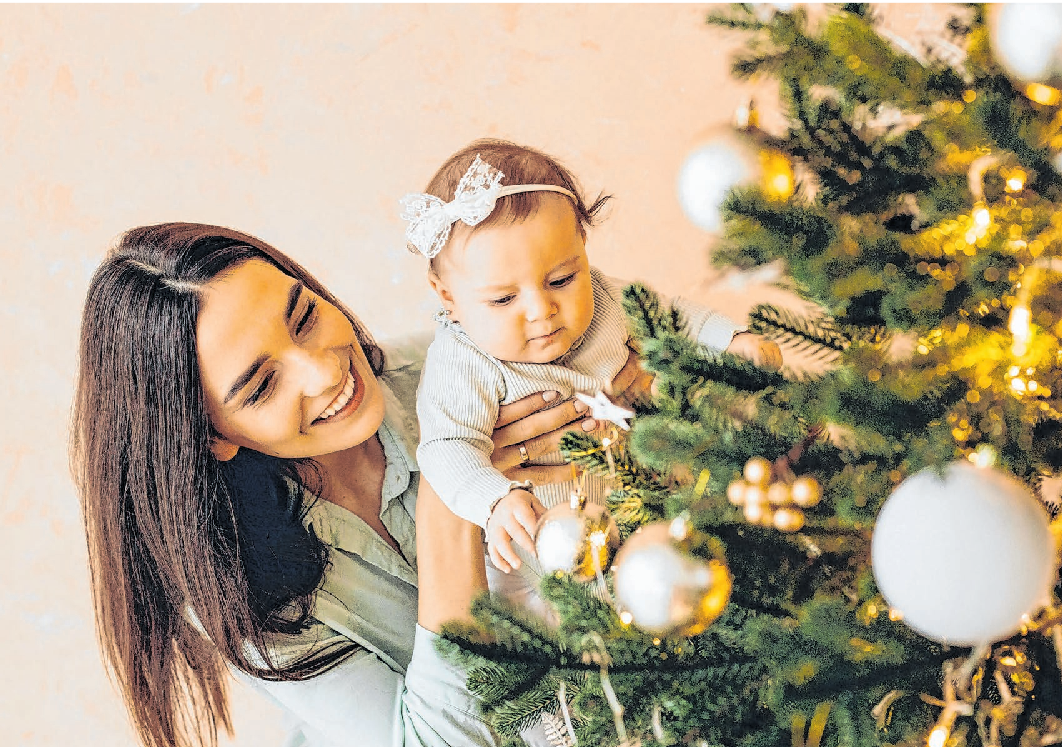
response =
{"points": [[221, 392]]}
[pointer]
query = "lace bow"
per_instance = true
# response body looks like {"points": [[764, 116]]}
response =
{"points": [[430, 219]]}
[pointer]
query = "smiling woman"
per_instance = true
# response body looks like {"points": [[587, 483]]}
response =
{"points": [[245, 463]]}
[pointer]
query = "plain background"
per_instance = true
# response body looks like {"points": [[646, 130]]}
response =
{"points": [[303, 125]]}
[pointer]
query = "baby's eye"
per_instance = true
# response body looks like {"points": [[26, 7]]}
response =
{"points": [[561, 282], [503, 301]]}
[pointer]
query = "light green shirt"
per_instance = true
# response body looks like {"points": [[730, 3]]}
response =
{"points": [[395, 690]]}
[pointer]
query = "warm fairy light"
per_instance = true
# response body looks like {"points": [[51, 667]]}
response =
{"points": [[984, 456], [982, 217], [1018, 385], [1021, 327], [598, 539], [1042, 94], [938, 737], [895, 615], [778, 178], [626, 617], [1020, 318], [1016, 182]]}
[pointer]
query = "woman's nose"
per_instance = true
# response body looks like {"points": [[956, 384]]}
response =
{"points": [[316, 370], [539, 306]]}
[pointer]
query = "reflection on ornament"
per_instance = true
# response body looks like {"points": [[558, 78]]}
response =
{"points": [[663, 588], [966, 557], [726, 161], [576, 537], [1027, 40]]}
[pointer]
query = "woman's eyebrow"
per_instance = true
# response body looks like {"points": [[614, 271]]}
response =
{"points": [[294, 293], [246, 376]]}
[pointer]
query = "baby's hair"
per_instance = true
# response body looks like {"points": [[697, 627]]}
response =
{"points": [[520, 165]]}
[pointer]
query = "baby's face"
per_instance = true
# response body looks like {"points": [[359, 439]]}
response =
{"points": [[521, 292]]}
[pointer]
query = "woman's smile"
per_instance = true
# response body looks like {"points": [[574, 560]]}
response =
{"points": [[345, 402]]}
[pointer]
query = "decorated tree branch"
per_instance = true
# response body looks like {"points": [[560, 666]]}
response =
{"points": [[862, 551]]}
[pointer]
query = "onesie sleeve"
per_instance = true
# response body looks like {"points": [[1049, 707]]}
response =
{"points": [[706, 326], [457, 406]]}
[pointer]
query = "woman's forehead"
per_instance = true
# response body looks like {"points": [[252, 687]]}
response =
{"points": [[238, 312]]}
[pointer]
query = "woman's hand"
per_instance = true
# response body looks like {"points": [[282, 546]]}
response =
{"points": [[528, 424]]}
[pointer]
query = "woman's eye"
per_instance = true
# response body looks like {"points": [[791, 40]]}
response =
{"points": [[262, 391], [561, 282], [503, 301], [307, 319]]}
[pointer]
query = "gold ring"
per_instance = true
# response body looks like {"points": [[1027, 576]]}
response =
{"points": [[524, 458]]}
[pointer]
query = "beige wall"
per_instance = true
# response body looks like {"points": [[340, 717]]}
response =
{"points": [[301, 124]]}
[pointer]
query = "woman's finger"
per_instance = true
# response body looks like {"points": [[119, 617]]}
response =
{"points": [[536, 424], [626, 376], [521, 408], [540, 474]]}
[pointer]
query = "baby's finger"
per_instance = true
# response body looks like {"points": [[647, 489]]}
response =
{"points": [[505, 549], [497, 559], [523, 537]]}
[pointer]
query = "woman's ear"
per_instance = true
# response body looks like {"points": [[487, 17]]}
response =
{"points": [[222, 449]]}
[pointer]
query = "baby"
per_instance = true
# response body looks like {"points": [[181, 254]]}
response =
{"points": [[504, 227]]}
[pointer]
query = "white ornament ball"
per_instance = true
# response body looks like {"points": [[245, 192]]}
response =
{"points": [[666, 589], [965, 557], [709, 173], [576, 540], [1027, 40]]}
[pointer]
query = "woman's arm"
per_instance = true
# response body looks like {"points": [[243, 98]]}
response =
{"points": [[451, 571], [362, 701]]}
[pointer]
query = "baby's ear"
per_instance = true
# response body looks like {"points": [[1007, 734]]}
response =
{"points": [[441, 289]]}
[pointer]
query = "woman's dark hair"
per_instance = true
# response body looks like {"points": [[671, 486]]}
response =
{"points": [[520, 165], [195, 563]]}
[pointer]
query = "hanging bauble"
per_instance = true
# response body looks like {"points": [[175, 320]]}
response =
{"points": [[663, 587], [727, 160], [579, 538], [1027, 40], [963, 557]]}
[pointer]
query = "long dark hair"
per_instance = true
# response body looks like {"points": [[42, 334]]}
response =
{"points": [[195, 563]]}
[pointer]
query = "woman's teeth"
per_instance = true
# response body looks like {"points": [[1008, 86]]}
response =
{"points": [[341, 399]]}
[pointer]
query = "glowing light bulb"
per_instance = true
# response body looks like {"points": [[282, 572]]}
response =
{"points": [[1020, 318], [982, 217], [626, 617], [1042, 94], [938, 737]]}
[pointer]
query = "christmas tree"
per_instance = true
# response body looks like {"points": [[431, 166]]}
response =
{"points": [[858, 552]]}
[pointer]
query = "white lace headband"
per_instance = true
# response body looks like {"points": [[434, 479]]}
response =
{"points": [[430, 218]]}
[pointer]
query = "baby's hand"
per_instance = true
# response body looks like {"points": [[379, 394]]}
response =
{"points": [[513, 519], [759, 350]]}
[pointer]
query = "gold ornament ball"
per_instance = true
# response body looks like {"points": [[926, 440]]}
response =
{"points": [[788, 519], [755, 511], [779, 494], [735, 492], [576, 540], [665, 589], [757, 471], [806, 492]]}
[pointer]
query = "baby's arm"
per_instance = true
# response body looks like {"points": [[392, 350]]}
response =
{"points": [[457, 406], [717, 331]]}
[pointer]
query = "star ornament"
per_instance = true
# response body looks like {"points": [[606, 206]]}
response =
{"points": [[601, 408]]}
